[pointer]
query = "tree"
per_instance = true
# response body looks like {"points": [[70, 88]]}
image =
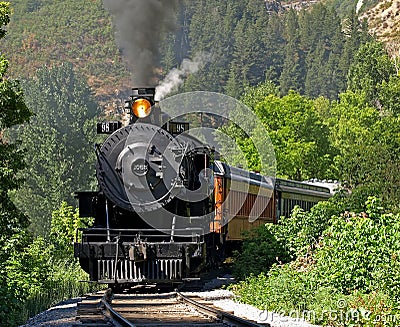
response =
{"points": [[368, 148], [13, 111], [300, 138], [356, 34], [388, 96], [250, 54], [292, 77], [59, 143], [323, 45], [274, 48], [254, 95], [211, 34], [64, 225], [316, 79], [371, 67]]}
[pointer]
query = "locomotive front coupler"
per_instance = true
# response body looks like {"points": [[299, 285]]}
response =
{"points": [[138, 252]]}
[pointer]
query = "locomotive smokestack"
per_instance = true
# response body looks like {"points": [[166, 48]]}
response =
{"points": [[140, 27]]}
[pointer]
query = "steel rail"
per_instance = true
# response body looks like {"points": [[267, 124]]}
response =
{"points": [[218, 315], [222, 316], [114, 315]]}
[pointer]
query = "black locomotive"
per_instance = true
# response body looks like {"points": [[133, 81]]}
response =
{"points": [[166, 208]]}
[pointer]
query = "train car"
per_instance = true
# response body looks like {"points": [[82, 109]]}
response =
{"points": [[166, 210], [292, 193], [245, 200]]}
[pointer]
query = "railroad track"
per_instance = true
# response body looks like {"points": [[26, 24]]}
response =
{"points": [[149, 310]]}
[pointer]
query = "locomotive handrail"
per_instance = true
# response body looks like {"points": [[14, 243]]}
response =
{"points": [[166, 237], [89, 233], [85, 229]]}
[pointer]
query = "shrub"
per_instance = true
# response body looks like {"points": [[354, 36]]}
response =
{"points": [[361, 252], [285, 241], [259, 252], [351, 276]]}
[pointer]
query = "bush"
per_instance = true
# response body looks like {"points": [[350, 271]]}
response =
{"points": [[351, 276], [361, 252], [288, 291], [64, 225], [284, 241], [300, 232], [64, 283], [40, 272], [260, 251]]}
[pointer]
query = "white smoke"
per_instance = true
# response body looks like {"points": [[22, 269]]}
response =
{"points": [[359, 5], [176, 76]]}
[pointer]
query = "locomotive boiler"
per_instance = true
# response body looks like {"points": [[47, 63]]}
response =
{"points": [[167, 208]]}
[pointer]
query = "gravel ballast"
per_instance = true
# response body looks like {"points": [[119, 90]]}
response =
{"points": [[64, 313], [61, 315], [224, 300]]}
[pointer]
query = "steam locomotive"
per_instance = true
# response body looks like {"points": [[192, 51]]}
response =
{"points": [[167, 208]]}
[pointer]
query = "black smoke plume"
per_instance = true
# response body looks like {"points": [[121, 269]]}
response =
{"points": [[141, 25]]}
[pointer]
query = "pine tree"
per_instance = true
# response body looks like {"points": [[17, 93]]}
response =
{"points": [[292, 76]]}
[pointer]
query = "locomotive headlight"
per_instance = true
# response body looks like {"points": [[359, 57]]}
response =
{"points": [[141, 108]]}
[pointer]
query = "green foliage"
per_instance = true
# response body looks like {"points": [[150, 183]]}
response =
{"points": [[289, 238], [58, 142], [256, 94], [40, 272], [28, 269], [371, 67], [14, 110], [300, 232], [298, 135], [64, 225], [324, 45], [247, 44], [353, 271], [260, 250], [12, 222], [389, 93], [4, 20], [293, 70], [367, 143], [64, 283], [283, 289], [288, 292], [293, 49], [363, 252]]}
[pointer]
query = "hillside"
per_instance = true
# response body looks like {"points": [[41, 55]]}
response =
{"points": [[383, 16], [384, 23], [47, 32], [343, 7]]}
